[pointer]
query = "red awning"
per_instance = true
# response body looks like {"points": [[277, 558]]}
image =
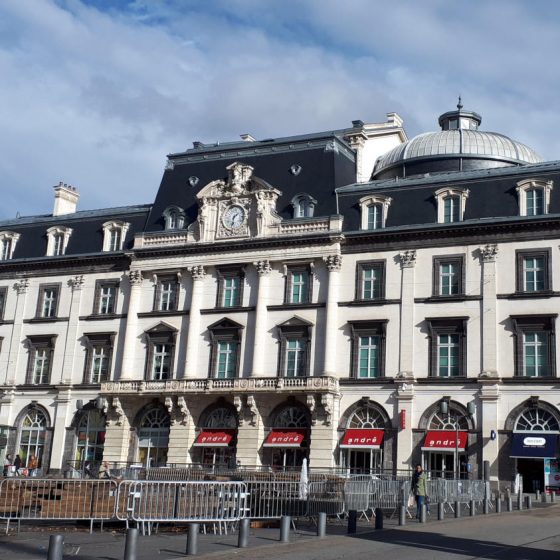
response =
{"points": [[445, 440], [362, 439], [285, 438], [214, 438]]}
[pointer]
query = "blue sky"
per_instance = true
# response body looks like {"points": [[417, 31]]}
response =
{"points": [[95, 93]]}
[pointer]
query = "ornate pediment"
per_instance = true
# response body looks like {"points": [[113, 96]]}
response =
{"points": [[237, 207]]}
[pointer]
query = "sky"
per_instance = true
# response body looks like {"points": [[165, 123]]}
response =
{"points": [[96, 93]]}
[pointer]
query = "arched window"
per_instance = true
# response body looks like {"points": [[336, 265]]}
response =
{"points": [[451, 203], [33, 433], [304, 205], [448, 421], [534, 197], [222, 417], [91, 438], [292, 417], [153, 438], [174, 218], [536, 420], [374, 211], [366, 417]]}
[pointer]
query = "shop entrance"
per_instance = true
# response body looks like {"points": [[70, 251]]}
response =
{"points": [[361, 461], [442, 464], [532, 471]]}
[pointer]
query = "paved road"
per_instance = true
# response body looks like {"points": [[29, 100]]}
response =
{"points": [[532, 535]]}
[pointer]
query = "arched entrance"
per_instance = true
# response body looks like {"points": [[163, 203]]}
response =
{"points": [[535, 448], [288, 440], [361, 446], [216, 442], [153, 437]]}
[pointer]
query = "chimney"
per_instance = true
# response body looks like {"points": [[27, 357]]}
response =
{"points": [[65, 199], [247, 138]]}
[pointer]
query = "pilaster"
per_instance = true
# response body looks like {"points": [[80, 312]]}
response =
{"points": [[263, 270], [334, 264], [15, 347], [193, 337], [71, 342], [181, 430], [324, 410], [405, 406], [117, 435], [488, 255], [489, 397], [61, 420], [250, 433], [406, 357], [131, 366]]}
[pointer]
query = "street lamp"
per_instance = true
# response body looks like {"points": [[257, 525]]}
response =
{"points": [[471, 410]]}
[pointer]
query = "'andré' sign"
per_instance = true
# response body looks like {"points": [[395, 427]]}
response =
{"points": [[214, 438]]}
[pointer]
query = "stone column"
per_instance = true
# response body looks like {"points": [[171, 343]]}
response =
{"points": [[128, 367], [71, 340], [250, 432], [193, 338], [259, 348], [323, 430], [489, 396], [334, 263], [488, 325], [406, 356], [15, 347], [61, 420], [181, 430]]}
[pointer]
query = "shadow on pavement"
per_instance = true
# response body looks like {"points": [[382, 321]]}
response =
{"points": [[457, 545]]}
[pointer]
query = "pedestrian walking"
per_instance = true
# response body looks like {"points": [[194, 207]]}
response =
{"points": [[8, 462], [17, 464], [419, 487]]}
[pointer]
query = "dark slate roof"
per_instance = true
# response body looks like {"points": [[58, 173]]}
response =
{"points": [[492, 195], [87, 230], [326, 163]]}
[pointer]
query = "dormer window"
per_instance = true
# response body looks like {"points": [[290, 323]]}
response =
{"points": [[451, 205], [374, 211], [534, 197], [114, 234], [304, 205], [174, 218], [58, 238], [8, 240]]}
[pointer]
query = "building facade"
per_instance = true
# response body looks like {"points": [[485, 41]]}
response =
{"points": [[353, 297]]}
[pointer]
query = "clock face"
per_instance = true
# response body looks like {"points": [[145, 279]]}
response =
{"points": [[234, 217]]}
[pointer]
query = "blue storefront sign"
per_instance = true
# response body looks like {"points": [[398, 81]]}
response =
{"points": [[534, 446]]}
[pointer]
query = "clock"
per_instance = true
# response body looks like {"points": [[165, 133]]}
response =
{"points": [[234, 217]]}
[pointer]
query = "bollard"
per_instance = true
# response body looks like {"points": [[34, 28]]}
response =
{"points": [[131, 544], [543, 497], [243, 537], [402, 515], [285, 522], [509, 503], [552, 496], [192, 539], [56, 545], [486, 506], [519, 501], [352, 521], [473, 508], [378, 518], [498, 503], [440, 511], [528, 503], [423, 514], [457, 509], [322, 525], [537, 495]]}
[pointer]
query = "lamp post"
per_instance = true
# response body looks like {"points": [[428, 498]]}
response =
{"points": [[471, 410]]}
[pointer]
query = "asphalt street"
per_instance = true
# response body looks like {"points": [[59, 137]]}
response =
{"points": [[527, 535]]}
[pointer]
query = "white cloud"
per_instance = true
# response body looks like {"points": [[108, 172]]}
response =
{"points": [[97, 98]]}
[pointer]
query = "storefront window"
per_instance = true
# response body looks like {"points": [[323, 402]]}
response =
{"points": [[216, 443], [32, 436], [91, 439]]}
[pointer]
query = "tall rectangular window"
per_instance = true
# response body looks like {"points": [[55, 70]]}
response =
{"points": [[100, 363], [226, 365], [231, 291], [533, 271], [368, 349], [535, 354], [39, 364], [448, 275], [298, 285], [6, 249], [166, 294], [47, 304], [375, 216], [368, 353], [451, 209], [535, 201], [534, 337], [58, 244], [448, 355], [161, 362], [105, 302], [448, 346], [115, 235], [533, 274], [295, 357], [371, 280]]}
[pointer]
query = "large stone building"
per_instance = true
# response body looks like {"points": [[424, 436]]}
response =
{"points": [[353, 297]]}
